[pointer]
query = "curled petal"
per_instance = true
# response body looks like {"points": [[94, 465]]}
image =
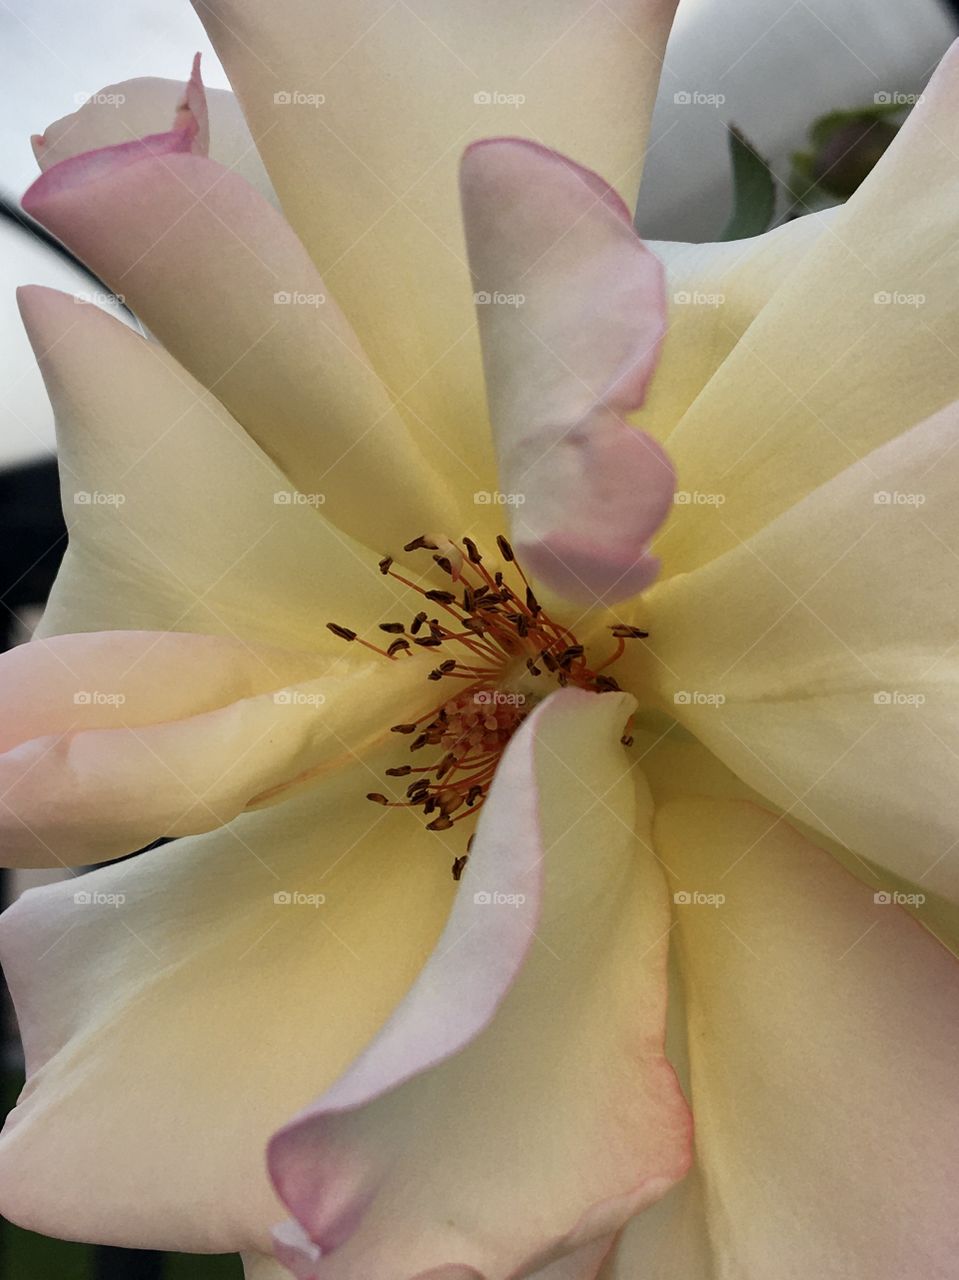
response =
{"points": [[571, 310], [535, 1029]]}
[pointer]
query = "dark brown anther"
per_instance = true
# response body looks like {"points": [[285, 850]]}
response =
{"points": [[398, 646], [404, 728], [421, 741], [498, 578], [435, 674], [386, 564], [420, 543], [623, 632], [448, 665], [469, 599], [441, 597], [444, 564], [532, 603], [472, 551], [431, 805], [459, 865], [548, 661], [343, 632], [394, 628], [476, 625], [562, 679], [442, 823], [506, 551], [417, 623], [474, 793], [570, 652], [429, 642], [606, 684], [626, 740], [401, 771], [377, 798], [532, 668]]}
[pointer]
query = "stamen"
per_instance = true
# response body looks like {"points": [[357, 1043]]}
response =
{"points": [[497, 635]]}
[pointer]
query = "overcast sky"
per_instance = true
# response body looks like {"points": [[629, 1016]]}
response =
{"points": [[777, 63]]}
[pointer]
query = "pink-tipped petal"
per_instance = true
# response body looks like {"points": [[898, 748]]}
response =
{"points": [[534, 1030], [572, 313], [217, 275], [192, 114]]}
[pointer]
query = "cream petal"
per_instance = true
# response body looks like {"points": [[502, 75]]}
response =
{"points": [[855, 348], [113, 740], [215, 272], [572, 312], [173, 1021], [367, 176], [136, 108], [714, 292], [817, 659], [177, 520], [534, 1031], [823, 1041]]}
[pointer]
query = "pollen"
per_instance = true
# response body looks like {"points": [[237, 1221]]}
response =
{"points": [[499, 654]]}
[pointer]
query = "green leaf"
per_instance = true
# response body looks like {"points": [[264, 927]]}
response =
{"points": [[754, 191]]}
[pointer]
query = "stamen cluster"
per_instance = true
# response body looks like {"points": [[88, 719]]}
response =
{"points": [[497, 636]]}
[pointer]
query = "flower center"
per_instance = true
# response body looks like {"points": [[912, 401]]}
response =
{"points": [[501, 652]]}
